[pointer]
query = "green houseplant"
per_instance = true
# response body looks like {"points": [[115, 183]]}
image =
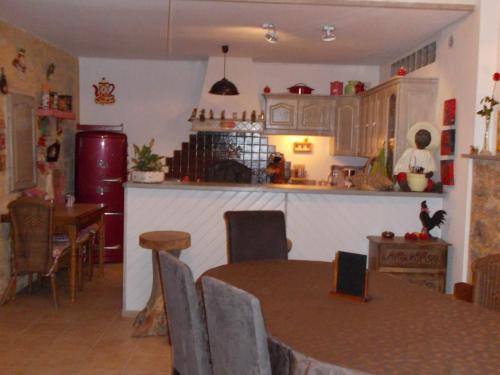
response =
{"points": [[147, 166]]}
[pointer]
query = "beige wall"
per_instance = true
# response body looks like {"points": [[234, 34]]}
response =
{"points": [[39, 54]]}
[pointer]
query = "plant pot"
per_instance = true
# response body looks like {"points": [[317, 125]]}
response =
{"points": [[148, 177], [416, 181]]}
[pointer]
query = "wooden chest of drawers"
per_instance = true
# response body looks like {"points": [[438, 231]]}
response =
{"points": [[420, 262]]}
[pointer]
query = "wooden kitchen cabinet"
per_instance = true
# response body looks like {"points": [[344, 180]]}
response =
{"points": [[346, 125], [299, 114], [314, 114], [388, 110], [419, 262]]}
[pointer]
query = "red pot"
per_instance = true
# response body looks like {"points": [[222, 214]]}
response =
{"points": [[300, 88]]}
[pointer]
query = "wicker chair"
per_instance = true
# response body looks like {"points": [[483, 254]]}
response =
{"points": [[485, 288], [34, 251]]}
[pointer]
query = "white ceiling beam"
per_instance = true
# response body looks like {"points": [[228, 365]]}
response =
{"points": [[461, 5]]}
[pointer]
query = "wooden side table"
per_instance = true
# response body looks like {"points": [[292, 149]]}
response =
{"points": [[152, 320], [420, 262]]}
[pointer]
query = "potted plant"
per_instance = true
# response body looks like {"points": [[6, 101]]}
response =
{"points": [[147, 165]]}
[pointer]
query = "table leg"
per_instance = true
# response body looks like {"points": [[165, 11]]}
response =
{"points": [[73, 265], [152, 320]]}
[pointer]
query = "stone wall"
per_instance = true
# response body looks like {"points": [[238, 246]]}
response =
{"points": [[485, 216], [65, 80]]}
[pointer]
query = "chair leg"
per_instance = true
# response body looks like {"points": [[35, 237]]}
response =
{"points": [[54, 289], [90, 257], [30, 283], [10, 291], [80, 267]]}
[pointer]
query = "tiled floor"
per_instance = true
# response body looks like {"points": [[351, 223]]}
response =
{"points": [[87, 337]]}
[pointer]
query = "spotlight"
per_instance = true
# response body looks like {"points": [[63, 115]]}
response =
{"points": [[271, 35], [328, 35]]}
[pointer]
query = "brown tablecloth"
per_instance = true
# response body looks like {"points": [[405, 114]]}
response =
{"points": [[405, 329]]}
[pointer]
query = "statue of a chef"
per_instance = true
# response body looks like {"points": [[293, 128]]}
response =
{"points": [[422, 138]]}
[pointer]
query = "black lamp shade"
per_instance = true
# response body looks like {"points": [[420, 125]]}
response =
{"points": [[224, 87]]}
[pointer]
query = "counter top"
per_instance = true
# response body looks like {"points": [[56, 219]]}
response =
{"points": [[272, 188]]}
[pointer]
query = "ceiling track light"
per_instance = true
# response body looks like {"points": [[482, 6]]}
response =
{"points": [[328, 35], [271, 35]]}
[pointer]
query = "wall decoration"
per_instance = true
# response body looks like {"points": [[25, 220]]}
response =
{"points": [[19, 61], [50, 71], [53, 152], [3, 162], [4, 87], [448, 172], [104, 92], [303, 147], [448, 142], [450, 107], [2, 142]]}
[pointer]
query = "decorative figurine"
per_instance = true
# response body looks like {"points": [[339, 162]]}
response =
{"points": [[210, 115], [244, 116], [202, 115], [429, 222], [223, 115], [418, 159], [50, 71], [262, 116], [193, 114], [19, 62], [253, 116]]}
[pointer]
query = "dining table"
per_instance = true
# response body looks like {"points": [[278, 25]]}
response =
{"points": [[403, 329], [69, 221]]}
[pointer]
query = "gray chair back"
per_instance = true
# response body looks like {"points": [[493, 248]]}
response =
{"points": [[236, 331], [255, 235], [187, 329]]}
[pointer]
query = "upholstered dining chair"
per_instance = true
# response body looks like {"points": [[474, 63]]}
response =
{"points": [[236, 331], [256, 235], [34, 250], [187, 328], [485, 287]]}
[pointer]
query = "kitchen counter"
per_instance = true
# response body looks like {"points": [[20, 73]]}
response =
{"points": [[319, 220], [273, 188]]}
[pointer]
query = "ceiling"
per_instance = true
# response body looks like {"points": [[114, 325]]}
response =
{"points": [[195, 29]]}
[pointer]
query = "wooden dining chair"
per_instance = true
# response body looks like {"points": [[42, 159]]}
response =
{"points": [[187, 328], [485, 287], [34, 250], [236, 330], [256, 235]]}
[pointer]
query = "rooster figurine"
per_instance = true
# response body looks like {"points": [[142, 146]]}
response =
{"points": [[429, 222]]}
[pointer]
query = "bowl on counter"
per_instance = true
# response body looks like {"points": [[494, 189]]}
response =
{"points": [[417, 181]]}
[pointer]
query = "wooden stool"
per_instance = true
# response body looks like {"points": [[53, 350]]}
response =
{"points": [[152, 320]]}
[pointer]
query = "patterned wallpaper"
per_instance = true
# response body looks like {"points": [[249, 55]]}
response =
{"points": [[65, 80]]}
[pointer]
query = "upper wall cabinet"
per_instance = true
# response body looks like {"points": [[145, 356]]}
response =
{"points": [[299, 114], [346, 125], [387, 112]]}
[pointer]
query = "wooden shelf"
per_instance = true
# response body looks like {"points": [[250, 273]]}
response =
{"points": [[482, 157], [55, 113]]}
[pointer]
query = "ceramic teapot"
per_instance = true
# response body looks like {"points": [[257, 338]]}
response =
{"points": [[104, 92]]}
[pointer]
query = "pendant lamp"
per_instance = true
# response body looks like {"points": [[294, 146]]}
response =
{"points": [[224, 86]]}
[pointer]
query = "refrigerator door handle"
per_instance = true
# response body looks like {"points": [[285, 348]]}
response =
{"points": [[113, 214], [114, 247], [117, 179]]}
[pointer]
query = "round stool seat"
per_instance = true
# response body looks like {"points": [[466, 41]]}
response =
{"points": [[165, 240], [152, 320]]}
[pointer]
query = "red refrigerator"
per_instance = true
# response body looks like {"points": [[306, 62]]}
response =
{"points": [[101, 170]]}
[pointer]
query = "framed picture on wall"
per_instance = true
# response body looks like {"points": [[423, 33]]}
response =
{"points": [[448, 142], [448, 172], [450, 107]]}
